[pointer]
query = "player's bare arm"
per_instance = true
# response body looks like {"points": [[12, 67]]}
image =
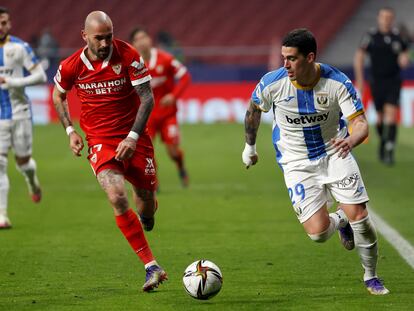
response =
{"points": [[359, 133], [126, 148], [359, 60], [251, 126], [61, 105]]}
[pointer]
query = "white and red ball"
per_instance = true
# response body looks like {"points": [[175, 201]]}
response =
{"points": [[202, 279]]}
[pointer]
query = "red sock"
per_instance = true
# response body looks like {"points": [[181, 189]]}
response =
{"points": [[130, 226], [179, 159]]}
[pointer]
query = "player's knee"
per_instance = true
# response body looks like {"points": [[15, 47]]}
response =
{"points": [[319, 237], [119, 201], [365, 234]]}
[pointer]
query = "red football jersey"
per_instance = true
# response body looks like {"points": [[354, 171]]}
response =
{"points": [[165, 71], [105, 88]]}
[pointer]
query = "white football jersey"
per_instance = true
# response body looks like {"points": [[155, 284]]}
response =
{"points": [[16, 58], [305, 119]]}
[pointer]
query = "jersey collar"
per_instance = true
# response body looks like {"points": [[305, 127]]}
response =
{"points": [[309, 87], [5, 41], [88, 64]]}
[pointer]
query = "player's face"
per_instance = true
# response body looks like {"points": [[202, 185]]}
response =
{"points": [[5, 25], [385, 20], [99, 40], [142, 42], [295, 63]]}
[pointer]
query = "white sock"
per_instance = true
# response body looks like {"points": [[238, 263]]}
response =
{"points": [[151, 263], [339, 218], [365, 238], [336, 220], [4, 185], [29, 172]]}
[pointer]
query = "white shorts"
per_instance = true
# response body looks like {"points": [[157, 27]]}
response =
{"points": [[312, 184], [17, 135]]}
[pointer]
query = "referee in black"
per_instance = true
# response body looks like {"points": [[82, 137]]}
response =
{"points": [[388, 53]]}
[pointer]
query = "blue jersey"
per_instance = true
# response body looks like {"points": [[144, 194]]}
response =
{"points": [[306, 119], [16, 57]]}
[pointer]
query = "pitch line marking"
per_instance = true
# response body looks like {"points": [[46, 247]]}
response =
{"points": [[402, 246]]}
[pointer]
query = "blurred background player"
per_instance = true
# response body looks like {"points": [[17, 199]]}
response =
{"points": [[309, 101], [16, 57], [388, 53], [112, 83], [169, 80]]}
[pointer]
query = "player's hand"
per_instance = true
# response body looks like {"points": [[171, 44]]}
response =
{"points": [[2, 80], [249, 155], [76, 143], [342, 145], [125, 149], [167, 100]]}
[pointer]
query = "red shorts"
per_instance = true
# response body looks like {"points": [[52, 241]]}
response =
{"points": [[167, 127], [139, 170]]}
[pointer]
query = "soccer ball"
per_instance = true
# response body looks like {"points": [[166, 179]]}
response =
{"points": [[202, 279]]}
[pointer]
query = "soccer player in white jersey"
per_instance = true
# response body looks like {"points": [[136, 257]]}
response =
{"points": [[16, 56], [309, 101]]}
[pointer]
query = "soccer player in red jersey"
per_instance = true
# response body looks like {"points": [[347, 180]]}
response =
{"points": [[169, 80], [112, 83]]}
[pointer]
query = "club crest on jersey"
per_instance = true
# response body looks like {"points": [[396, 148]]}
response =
{"points": [[322, 99], [117, 68]]}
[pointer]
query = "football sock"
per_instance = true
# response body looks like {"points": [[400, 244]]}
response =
{"points": [[389, 136], [366, 243], [380, 127], [29, 172], [151, 263], [131, 228], [337, 220], [179, 159], [4, 185]]}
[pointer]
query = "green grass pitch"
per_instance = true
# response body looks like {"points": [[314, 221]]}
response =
{"points": [[68, 254]]}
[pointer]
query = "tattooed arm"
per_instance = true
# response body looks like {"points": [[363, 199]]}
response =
{"points": [[61, 105], [126, 148], [251, 126], [252, 123]]}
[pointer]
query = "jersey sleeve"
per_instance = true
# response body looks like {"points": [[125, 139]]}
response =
{"points": [[349, 101], [366, 40], [261, 97], [137, 71], [30, 60], [64, 78], [179, 70]]}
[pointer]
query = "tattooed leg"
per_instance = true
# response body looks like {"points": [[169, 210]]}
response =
{"points": [[113, 183]]}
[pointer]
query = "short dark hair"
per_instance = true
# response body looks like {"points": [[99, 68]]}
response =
{"points": [[135, 31], [4, 10], [387, 8], [302, 39]]}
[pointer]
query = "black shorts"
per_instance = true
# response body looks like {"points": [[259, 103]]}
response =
{"points": [[386, 90]]}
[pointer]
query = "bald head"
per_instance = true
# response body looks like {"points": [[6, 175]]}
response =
{"points": [[98, 34], [97, 19]]}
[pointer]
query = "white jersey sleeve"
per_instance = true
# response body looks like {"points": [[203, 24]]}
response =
{"points": [[262, 94], [348, 99]]}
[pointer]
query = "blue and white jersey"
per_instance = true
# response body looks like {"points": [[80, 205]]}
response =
{"points": [[305, 119], [16, 56]]}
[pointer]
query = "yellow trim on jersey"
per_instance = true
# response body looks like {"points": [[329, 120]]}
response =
{"points": [[5, 41], [310, 87], [355, 114]]}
